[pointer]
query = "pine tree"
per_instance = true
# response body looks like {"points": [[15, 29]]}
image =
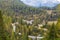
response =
{"points": [[2, 30], [52, 33], [58, 27]]}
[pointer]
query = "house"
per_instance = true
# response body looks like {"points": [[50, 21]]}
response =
{"points": [[40, 26], [28, 21], [51, 22]]}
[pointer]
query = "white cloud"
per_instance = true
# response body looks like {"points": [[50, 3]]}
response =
{"points": [[58, 0], [40, 2]]}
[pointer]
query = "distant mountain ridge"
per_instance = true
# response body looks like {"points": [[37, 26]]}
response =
{"points": [[41, 3], [18, 7]]}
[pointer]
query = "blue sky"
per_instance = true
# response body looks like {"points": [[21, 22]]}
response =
{"points": [[38, 3]]}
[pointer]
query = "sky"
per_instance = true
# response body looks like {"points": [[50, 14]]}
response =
{"points": [[39, 3]]}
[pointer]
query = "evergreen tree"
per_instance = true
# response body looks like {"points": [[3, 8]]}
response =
{"points": [[2, 30], [58, 24], [52, 33], [58, 27]]}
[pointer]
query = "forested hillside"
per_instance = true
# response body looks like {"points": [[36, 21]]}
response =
{"points": [[22, 22], [17, 8]]}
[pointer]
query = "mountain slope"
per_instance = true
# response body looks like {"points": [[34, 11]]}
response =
{"points": [[18, 7]]}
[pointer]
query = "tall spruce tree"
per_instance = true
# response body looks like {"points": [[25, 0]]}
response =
{"points": [[52, 33], [58, 27], [2, 30]]}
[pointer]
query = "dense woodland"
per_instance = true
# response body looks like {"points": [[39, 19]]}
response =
{"points": [[15, 12]]}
